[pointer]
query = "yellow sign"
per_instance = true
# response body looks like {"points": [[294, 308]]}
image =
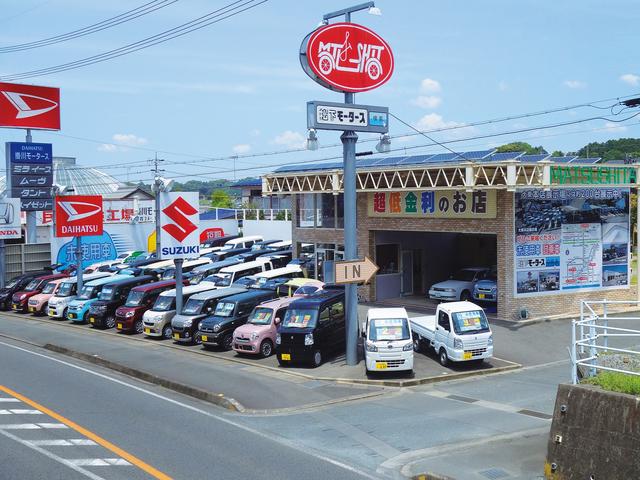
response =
{"points": [[433, 204]]}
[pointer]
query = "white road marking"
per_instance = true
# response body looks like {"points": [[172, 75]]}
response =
{"points": [[9, 399], [282, 441], [63, 443], [23, 411], [502, 407], [52, 425], [20, 426], [52, 456], [98, 462]]}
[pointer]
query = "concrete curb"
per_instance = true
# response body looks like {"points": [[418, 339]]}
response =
{"points": [[215, 398]]}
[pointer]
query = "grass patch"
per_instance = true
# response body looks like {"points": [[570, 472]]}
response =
{"points": [[617, 382]]}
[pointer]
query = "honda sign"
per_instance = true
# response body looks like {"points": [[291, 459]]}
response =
{"points": [[180, 225], [29, 106], [346, 57], [10, 218], [78, 215]]}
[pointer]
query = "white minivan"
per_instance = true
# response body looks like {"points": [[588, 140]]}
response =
{"points": [[388, 343], [242, 242]]}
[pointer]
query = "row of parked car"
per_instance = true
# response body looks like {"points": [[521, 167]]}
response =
{"points": [[479, 284]]}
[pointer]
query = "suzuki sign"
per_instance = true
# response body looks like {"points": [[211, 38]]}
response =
{"points": [[78, 215], [180, 225], [346, 57], [29, 106]]}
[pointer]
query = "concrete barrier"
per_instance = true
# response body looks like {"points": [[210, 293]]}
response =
{"points": [[595, 435]]}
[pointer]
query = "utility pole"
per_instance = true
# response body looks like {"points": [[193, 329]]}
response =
{"points": [[157, 184]]}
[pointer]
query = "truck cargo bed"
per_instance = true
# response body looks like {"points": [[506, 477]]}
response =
{"points": [[424, 326]]}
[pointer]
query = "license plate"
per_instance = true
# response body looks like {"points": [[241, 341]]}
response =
{"points": [[147, 330], [467, 356], [481, 295], [32, 309], [205, 338], [119, 326], [92, 320], [15, 307], [176, 336], [52, 312], [286, 356], [381, 365], [71, 315]]}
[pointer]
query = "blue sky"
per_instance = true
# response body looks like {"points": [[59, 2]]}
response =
{"points": [[236, 87]]}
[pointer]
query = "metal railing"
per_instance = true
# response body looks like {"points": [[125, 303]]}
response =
{"points": [[250, 213], [590, 336]]}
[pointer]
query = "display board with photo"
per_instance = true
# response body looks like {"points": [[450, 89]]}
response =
{"points": [[571, 239]]}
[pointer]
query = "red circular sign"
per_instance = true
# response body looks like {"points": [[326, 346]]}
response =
{"points": [[347, 57]]}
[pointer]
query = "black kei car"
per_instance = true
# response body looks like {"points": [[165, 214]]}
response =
{"points": [[230, 313], [102, 313], [17, 284]]}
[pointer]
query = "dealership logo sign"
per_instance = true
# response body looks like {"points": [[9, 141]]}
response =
{"points": [[79, 215], [180, 225], [29, 106], [346, 57]]}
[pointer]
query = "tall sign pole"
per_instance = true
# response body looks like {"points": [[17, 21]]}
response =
{"points": [[349, 58], [31, 214]]}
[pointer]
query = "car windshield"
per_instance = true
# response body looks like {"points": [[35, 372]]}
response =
{"points": [[256, 247], [228, 246], [224, 309], [134, 299], [193, 307], [300, 318], [88, 291], [221, 280], [261, 316], [306, 290], [464, 275], [33, 285], [474, 321], [49, 287], [388, 329], [12, 283], [164, 303], [66, 289], [107, 292], [245, 281], [196, 278], [168, 274]]}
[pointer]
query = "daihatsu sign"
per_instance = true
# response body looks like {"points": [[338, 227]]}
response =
{"points": [[346, 57], [29, 106], [78, 215]]}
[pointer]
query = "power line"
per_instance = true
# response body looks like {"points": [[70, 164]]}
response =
{"points": [[228, 11], [137, 12]]}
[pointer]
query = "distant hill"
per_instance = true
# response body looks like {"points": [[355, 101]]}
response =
{"points": [[612, 149]]}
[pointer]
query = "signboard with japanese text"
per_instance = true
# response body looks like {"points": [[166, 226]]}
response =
{"points": [[571, 239], [30, 167], [433, 204], [29, 106], [599, 175], [341, 116], [129, 211], [10, 218], [78, 215], [179, 225]]}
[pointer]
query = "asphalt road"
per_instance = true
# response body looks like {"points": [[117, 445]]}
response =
{"points": [[90, 423]]}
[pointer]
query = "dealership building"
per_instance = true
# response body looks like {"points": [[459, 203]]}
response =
{"points": [[556, 230]]}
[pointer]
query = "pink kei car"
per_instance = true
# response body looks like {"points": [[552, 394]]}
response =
{"points": [[258, 335], [38, 303]]}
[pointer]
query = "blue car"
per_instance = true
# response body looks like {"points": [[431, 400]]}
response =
{"points": [[486, 290], [78, 309]]}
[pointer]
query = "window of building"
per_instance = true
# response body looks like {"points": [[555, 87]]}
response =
{"points": [[387, 257], [326, 210], [305, 210]]}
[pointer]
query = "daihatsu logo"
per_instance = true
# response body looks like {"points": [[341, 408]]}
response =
{"points": [[179, 211], [78, 210], [19, 100]]}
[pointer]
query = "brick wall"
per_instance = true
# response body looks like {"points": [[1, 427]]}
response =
{"points": [[502, 227]]}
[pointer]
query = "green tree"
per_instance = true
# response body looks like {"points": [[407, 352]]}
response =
{"points": [[617, 149], [521, 147], [557, 153], [221, 199]]}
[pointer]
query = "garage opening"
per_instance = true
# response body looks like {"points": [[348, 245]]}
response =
{"points": [[412, 262]]}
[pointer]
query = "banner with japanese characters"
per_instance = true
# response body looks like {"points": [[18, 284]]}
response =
{"points": [[571, 239], [433, 204]]}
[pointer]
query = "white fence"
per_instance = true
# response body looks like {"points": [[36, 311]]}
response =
{"points": [[250, 213], [590, 337]]}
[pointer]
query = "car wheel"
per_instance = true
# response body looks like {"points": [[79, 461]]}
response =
{"points": [[167, 331], [317, 358], [85, 317], [197, 338], [417, 345], [138, 326], [266, 349], [227, 342], [64, 314], [443, 357], [110, 322], [465, 296]]}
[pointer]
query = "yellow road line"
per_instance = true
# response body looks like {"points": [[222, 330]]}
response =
{"points": [[155, 473]]}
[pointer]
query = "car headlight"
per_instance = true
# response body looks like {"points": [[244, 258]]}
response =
{"points": [[187, 323], [129, 314], [494, 289], [457, 344], [216, 327], [23, 296], [370, 347], [254, 336], [407, 347], [450, 290], [278, 339], [490, 341], [308, 339]]}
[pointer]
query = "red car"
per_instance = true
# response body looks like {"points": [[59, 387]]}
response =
{"points": [[140, 299], [20, 300]]}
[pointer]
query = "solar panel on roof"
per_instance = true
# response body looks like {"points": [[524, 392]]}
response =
{"points": [[562, 159], [533, 158], [502, 156], [416, 159], [588, 160], [365, 162]]}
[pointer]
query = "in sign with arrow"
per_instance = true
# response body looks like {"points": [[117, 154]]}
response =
{"points": [[355, 271]]}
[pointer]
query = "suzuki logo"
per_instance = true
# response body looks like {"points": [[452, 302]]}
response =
{"points": [[26, 111], [79, 210], [180, 211]]}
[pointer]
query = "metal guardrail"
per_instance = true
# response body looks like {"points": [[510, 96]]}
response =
{"points": [[590, 336]]}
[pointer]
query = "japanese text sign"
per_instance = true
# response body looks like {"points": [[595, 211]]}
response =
{"points": [[29, 106], [30, 167], [433, 204], [340, 116], [180, 225], [78, 215]]}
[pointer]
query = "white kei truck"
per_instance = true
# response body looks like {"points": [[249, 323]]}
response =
{"points": [[388, 345], [458, 332]]}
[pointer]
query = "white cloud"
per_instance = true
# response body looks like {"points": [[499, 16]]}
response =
{"points": [[429, 85], [108, 147], [631, 79], [241, 148], [255, 132], [121, 142], [433, 121], [290, 139], [614, 127], [503, 86], [427, 101], [574, 84]]}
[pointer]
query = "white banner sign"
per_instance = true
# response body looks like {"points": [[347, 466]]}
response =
{"points": [[10, 218], [180, 225]]}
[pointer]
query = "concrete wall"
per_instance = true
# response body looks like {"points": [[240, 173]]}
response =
{"points": [[269, 229], [600, 435]]}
